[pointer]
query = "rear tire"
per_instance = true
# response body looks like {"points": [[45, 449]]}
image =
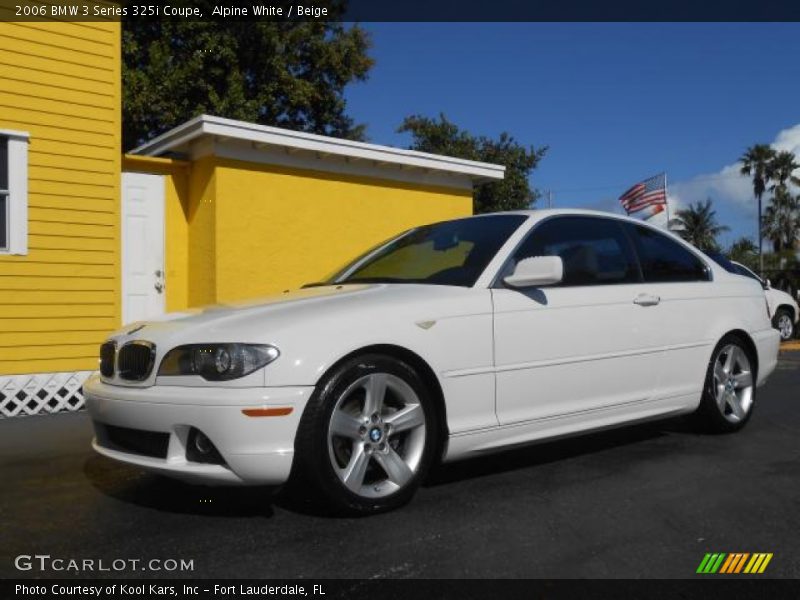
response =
{"points": [[367, 437], [729, 391], [783, 322]]}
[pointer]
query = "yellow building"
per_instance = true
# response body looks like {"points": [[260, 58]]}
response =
{"points": [[59, 208], [210, 212], [252, 210]]}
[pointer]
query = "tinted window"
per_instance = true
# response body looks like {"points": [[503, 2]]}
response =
{"points": [[448, 253], [595, 251], [740, 270], [723, 261], [733, 267], [665, 260]]}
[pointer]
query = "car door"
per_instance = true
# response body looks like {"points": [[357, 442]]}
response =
{"points": [[687, 310], [581, 345]]}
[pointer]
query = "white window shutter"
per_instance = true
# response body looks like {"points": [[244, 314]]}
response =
{"points": [[17, 192]]}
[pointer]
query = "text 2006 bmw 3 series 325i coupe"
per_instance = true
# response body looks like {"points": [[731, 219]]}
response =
{"points": [[448, 341]]}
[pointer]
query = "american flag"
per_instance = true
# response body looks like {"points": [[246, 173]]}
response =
{"points": [[649, 192]]}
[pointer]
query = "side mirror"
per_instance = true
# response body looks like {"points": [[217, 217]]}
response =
{"points": [[767, 284], [536, 271]]}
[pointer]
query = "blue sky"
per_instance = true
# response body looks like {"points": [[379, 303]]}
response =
{"points": [[614, 102]]}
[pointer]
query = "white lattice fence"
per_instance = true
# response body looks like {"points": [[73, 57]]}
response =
{"points": [[41, 393]]}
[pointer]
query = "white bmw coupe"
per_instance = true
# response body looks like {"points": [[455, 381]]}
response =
{"points": [[448, 341]]}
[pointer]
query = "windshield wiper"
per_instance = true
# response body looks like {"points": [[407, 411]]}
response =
{"points": [[314, 284], [379, 280]]}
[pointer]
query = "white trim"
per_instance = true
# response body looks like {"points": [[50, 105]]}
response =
{"points": [[310, 161], [17, 192], [12, 133], [180, 138]]}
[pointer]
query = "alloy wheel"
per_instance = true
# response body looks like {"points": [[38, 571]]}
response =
{"points": [[733, 383], [376, 435]]}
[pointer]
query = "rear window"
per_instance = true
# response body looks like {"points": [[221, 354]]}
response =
{"points": [[740, 270], [665, 260]]}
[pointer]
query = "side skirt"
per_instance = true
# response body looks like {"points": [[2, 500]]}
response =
{"points": [[492, 439]]}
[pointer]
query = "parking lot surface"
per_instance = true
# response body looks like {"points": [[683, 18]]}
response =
{"points": [[645, 501]]}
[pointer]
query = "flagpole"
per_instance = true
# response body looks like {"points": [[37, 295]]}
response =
{"points": [[666, 198]]}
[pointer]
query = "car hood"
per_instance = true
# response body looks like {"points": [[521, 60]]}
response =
{"points": [[248, 321]]}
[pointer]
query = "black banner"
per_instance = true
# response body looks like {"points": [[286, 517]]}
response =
{"points": [[402, 10], [390, 589]]}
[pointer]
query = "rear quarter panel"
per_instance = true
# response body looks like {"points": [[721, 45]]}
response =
{"points": [[696, 317]]}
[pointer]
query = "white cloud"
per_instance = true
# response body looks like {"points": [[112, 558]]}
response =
{"points": [[789, 140], [729, 189]]}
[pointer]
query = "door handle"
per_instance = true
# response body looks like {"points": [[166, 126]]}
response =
{"points": [[159, 284], [646, 300]]}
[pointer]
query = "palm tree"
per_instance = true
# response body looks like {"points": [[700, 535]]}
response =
{"points": [[782, 219], [780, 169], [700, 227], [756, 164], [743, 251]]}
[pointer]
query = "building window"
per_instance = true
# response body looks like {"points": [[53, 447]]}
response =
{"points": [[13, 192], [3, 194]]}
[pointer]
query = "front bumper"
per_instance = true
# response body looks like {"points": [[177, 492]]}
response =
{"points": [[255, 450]]}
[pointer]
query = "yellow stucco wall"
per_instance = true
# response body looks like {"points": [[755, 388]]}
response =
{"points": [[60, 82], [237, 230], [279, 228], [202, 275]]}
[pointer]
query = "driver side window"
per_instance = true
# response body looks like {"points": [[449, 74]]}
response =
{"points": [[595, 251]]}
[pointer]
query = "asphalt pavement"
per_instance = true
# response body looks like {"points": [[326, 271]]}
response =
{"points": [[639, 502]]}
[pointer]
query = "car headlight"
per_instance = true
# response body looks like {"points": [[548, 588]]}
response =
{"points": [[217, 362]]}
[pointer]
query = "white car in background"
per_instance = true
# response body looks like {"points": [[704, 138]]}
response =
{"points": [[449, 341], [783, 309]]}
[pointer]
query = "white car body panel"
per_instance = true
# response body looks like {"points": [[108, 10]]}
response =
{"points": [[258, 450], [554, 347], [512, 366]]}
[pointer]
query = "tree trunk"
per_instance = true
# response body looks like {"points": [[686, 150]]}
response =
{"points": [[760, 241]]}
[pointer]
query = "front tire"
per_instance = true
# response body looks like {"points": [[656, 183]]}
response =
{"points": [[730, 387], [367, 437], [783, 322]]}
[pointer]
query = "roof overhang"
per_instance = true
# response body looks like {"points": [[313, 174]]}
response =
{"points": [[206, 134]]}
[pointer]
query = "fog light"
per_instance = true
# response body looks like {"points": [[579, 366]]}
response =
{"points": [[202, 443], [199, 448]]}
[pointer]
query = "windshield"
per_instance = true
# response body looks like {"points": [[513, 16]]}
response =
{"points": [[448, 253]]}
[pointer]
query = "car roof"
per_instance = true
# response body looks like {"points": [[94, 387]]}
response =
{"points": [[541, 213], [536, 212]]}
